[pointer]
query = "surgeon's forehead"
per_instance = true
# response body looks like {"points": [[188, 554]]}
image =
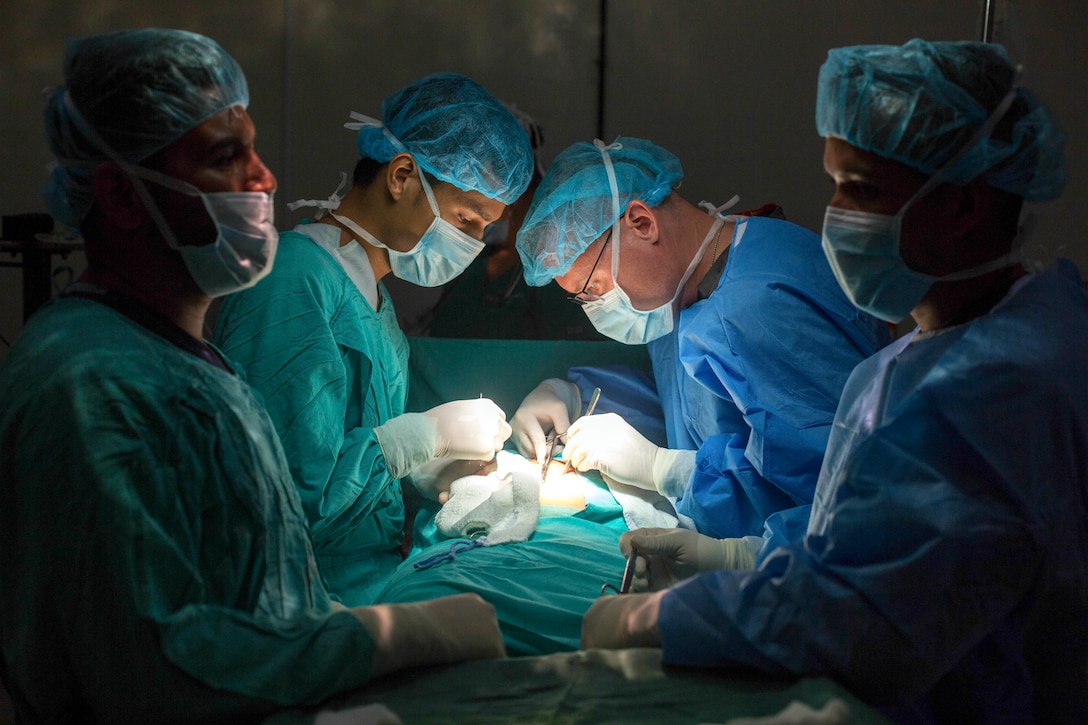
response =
{"points": [[487, 209], [842, 158]]}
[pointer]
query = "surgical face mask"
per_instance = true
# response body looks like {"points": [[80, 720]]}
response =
{"points": [[863, 247], [442, 253], [863, 250], [612, 313], [246, 238]]}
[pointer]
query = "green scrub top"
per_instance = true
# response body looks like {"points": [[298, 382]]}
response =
{"points": [[155, 564], [330, 369]]}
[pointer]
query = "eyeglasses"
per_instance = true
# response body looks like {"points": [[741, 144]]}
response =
{"points": [[583, 297]]}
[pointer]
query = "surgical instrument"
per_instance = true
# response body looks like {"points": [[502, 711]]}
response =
{"points": [[628, 577], [593, 398]]}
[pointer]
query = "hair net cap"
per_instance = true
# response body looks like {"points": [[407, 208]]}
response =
{"points": [[458, 132], [573, 205], [919, 103], [139, 91]]}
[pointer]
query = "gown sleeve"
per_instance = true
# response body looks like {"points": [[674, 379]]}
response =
{"points": [[925, 551]]}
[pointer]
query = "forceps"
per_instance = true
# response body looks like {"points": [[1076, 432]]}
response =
{"points": [[589, 411], [548, 458], [551, 443]]}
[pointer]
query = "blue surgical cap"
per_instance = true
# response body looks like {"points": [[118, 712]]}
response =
{"points": [[458, 132], [573, 205], [138, 91], [920, 103]]}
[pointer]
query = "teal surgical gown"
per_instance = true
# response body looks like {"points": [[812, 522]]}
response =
{"points": [[945, 568], [155, 564], [330, 369], [751, 377]]}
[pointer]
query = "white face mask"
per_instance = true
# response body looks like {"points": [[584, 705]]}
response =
{"points": [[613, 315], [442, 253], [246, 240]]}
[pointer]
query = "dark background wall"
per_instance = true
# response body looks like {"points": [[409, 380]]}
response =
{"points": [[729, 86]]}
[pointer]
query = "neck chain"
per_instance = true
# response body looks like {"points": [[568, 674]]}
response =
{"points": [[717, 237]]}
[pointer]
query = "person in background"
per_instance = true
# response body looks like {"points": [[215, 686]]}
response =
{"points": [[491, 299], [944, 574], [319, 338], [750, 337], [155, 563]]}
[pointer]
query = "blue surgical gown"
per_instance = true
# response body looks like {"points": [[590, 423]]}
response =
{"points": [[155, 564], [945, 568], [751, 377], [330, 369]]}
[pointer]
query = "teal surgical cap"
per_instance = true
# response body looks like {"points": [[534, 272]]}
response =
{"points": [[137, 91], [458, 132], [920, 103], [573, 205]]}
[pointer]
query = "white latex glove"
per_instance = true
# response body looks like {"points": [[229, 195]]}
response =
{"points": [[440, 631], [463, 429], [373, 714], [610, 444], [433, 478], [549, 407], [407, 442], [607, 443], [471, 429], [619, 622], [834, 712], [666, 556]]}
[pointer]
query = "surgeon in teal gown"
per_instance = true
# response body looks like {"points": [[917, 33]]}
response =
{"points": [[322, 356], [155, 560], [176, 454], [944, 573], [319, 337]]}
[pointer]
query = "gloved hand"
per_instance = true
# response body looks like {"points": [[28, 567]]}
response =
{"points": [[440, 631], [471, 429], [619, 622], [464, 429], [666, 556], [433, 478], [610, 444], [549, 407]]}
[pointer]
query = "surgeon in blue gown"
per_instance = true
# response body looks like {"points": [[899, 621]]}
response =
{"points": [[750, 336], [944, 574], [319, 338], [155, 563]]}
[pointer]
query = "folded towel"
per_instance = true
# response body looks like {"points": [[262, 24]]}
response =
{"points": [[500, 507]]}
